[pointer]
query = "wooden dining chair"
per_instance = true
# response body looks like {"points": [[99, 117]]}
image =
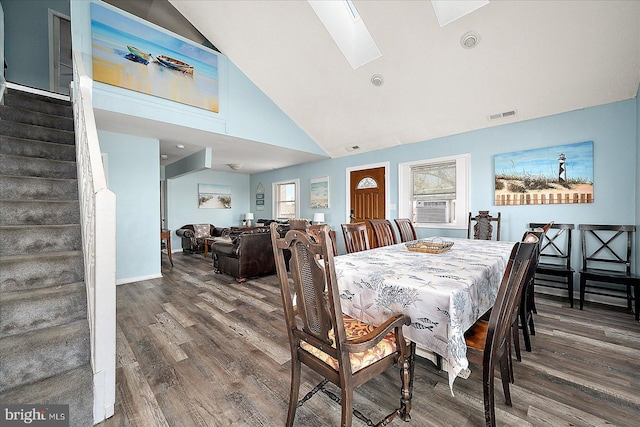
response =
{"points": [[314, 231], [383, 232], [554, 269], [488, 341], [606, 258], [356, 238], [343, 350], [524, 316], [481, 228], [406, 229]]}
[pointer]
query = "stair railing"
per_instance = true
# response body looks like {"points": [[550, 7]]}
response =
{"points": [[98, 222]]}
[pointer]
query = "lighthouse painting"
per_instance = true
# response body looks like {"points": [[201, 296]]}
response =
{"points": [[553, 175]]}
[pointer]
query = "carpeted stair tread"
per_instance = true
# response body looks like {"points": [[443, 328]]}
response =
{"points": [[18, 115], [39, 212], [36, 355], [34, 271], [37, 188], [73, 388], [34, 148], [35, 102], [45, 349], [34, 239], [30, 310], [42, 133], [31, 166]]}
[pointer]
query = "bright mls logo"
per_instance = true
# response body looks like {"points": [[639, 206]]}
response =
{"points": [[34, 415]]}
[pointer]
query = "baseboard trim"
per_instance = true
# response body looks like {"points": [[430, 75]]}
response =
{"points": [[137, 279]]}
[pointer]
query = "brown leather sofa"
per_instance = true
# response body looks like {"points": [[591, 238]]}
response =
{"points": [[193, 236], [248, 253]]}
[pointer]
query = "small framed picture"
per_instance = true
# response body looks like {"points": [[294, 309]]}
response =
{"points": [[319, 192], [259, 202], [259, 196]]}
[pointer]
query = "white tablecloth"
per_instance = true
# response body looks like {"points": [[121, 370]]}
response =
{"points": [[444, 294]]}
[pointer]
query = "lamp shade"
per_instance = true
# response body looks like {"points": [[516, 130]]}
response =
{"points": [[248, 215], [318, 218]]}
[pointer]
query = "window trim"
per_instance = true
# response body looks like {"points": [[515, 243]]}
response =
{"points": [[462, 190], [274, 193]]}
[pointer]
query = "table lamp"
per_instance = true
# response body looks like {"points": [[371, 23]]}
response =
{"points": [[318, 218], [248, 217]]}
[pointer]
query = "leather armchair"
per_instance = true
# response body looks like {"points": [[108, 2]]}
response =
{"points": [[248, 253], [193, 236]]}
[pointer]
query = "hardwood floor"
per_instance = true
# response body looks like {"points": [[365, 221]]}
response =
{"points": [[198, 349]]}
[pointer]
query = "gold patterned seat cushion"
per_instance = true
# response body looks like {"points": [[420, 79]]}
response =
{"points": [[354, 328]]}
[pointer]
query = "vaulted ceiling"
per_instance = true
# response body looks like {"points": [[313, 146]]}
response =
{"points": [[536, 58]]}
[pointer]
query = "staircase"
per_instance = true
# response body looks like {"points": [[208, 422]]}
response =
{"points": [[44, 331]]}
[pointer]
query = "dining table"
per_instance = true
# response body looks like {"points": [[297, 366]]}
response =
{"points": [[444, 294]]}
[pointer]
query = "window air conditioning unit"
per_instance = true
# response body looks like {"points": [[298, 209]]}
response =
{"points": [[432, 211]]}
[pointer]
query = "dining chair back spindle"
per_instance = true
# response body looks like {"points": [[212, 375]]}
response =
{"points": [[314, 231], [606, 257], [554, 269], [356, 238], [343, 350], [481, 228], [383, 232], [406, 229]]}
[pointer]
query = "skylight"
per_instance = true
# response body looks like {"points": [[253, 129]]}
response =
{"points": [[352, 9], [448, 11], [346, 27]]}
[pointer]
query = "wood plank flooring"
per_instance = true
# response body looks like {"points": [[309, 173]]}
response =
{"points": [[198, 349]]}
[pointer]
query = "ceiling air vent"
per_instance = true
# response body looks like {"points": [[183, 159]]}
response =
{"points": [[352, 147], [502, 115]]}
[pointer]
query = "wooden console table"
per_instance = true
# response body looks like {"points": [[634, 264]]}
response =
{"points": [[166, 235]]}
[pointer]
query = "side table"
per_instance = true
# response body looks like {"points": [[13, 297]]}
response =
{"points": [[166, 235], [207, 241]]}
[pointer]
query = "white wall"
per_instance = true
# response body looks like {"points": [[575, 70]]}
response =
{"points": [[133, 172]]}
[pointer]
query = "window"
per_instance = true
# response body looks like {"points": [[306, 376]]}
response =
{"points": [[286, 199], [434, 192]]}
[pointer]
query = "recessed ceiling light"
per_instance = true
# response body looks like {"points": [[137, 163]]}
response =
{"points": [[377, 80], [470, 40], [180, 147], [234, 166]]}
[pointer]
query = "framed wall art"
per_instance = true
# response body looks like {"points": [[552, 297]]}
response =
{"points": [[319, 189], [553, 175], [134, 54], [212, 196]]}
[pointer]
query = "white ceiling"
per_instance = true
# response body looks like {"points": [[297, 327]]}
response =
{"points": [[536, 57]]}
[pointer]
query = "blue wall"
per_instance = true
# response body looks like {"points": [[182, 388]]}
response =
{"points": [[637, 248], [245, 112], [612, 128], [182, 201], [134, 176], [27, 40]]}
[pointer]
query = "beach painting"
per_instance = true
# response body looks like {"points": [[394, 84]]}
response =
{"points": [[320, 193], [554, 175], [133, 54], [212, 196]]}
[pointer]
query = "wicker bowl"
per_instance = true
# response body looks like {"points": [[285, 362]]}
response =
{"points": [[432, 246]]}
